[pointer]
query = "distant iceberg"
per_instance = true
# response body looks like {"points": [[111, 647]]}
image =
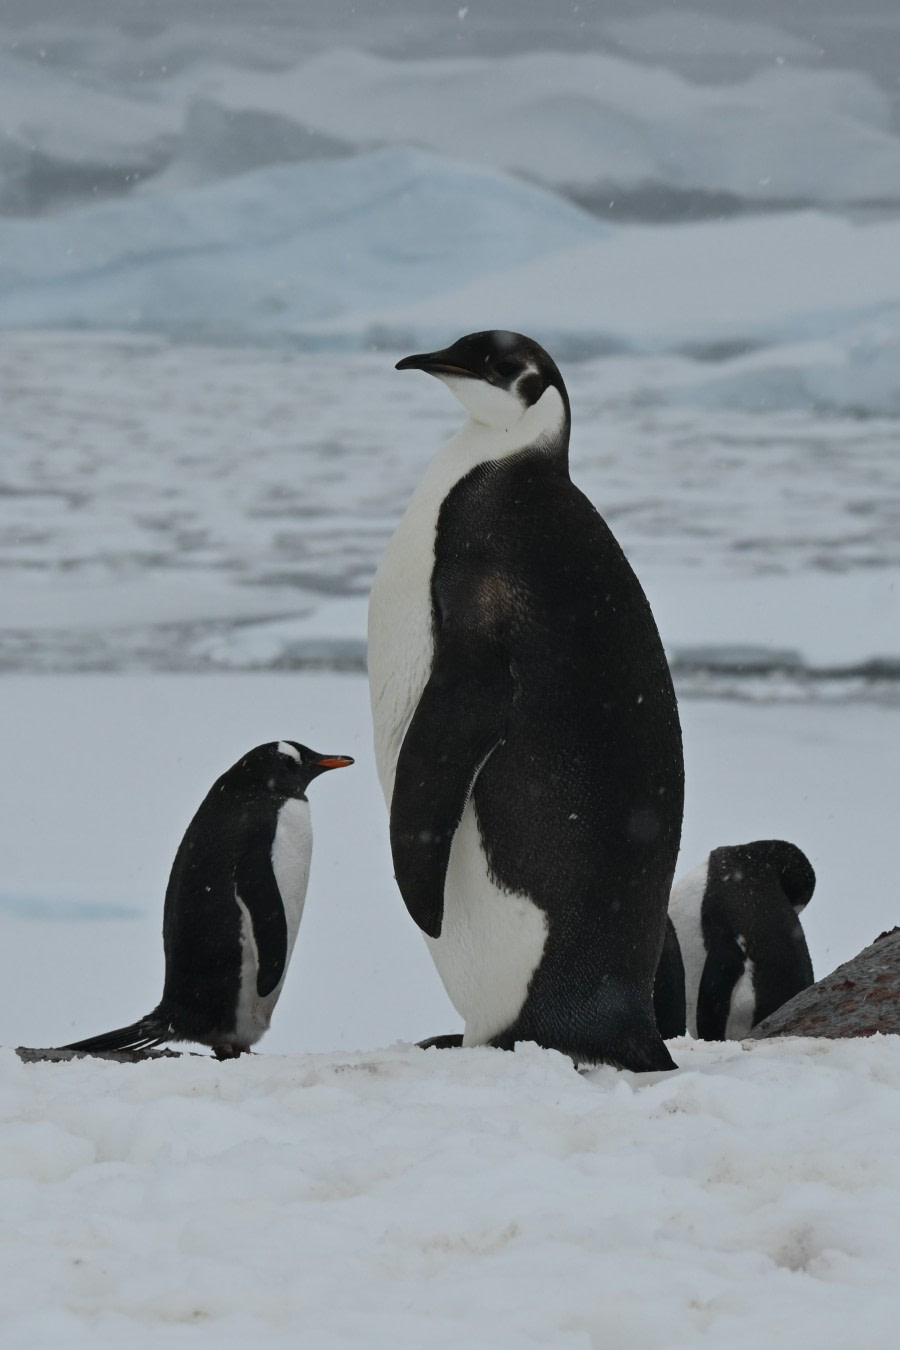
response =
{"points": [[401, 248], [273, 251]]}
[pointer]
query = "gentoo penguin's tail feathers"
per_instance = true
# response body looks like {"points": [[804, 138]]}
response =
{"points": [[146, 1034]]}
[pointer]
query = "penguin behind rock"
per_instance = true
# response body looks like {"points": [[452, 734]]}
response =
{"points": [[526, 729], [742, 944], [233, 906]]}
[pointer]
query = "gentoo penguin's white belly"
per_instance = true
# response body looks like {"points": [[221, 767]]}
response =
{"points": [[491, 940], [291, 855], [743, 1002], [684, 911]]}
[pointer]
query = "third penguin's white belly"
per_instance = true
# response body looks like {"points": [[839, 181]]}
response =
{"points": [[491, 940], [742, 1005]]}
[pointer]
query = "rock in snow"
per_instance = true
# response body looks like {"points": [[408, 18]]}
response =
{"points": [[860, 998]]}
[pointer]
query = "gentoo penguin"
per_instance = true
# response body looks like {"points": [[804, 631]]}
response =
{"points": [[744, 953], [233, 906], [526, 730]]}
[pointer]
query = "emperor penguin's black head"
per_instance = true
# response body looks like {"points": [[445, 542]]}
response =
{"points": [[500, 378], [284, 768]]}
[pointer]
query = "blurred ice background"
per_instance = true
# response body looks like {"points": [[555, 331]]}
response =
{"points": [[221, 222]]}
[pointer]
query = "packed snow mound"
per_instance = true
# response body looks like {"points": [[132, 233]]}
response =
{"points": [[411, 1198], [756, 280], [273, 250]]}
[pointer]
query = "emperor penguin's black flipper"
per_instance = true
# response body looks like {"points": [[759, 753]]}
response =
{"points": [[147, 1034], [460, 720], [669, 997]]}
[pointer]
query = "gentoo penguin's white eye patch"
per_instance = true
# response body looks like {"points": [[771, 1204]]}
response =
{"points": [[285, 748]]}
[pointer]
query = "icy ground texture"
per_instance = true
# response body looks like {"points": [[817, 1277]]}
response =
{"points": [[176, 507], [406, 1198], [186, 106]]}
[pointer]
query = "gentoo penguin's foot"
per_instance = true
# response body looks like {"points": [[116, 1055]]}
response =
{"points": [[448, 1042], [230, 1051]]}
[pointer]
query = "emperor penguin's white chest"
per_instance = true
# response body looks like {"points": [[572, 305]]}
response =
{"points": [[291, 855], [491, 940], [400, 643]]}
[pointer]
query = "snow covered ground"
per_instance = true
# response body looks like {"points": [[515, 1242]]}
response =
{"points": [[341, 1189], [404, 1199]]}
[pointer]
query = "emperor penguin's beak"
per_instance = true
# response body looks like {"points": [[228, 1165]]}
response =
{"points": [[434, 363]]}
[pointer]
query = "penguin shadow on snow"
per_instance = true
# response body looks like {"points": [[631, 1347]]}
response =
{"points": [[232, 910]]}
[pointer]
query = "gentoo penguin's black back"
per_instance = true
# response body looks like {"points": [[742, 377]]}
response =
{"points": [[744, 947], [227, 845], [236, 887], [549, 691]]}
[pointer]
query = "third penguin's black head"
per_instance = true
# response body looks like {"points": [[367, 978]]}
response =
{"points": [[284, 768], [497, 376]]}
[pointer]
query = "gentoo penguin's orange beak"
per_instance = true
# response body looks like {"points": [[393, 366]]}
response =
{"points": [[334, 761]]}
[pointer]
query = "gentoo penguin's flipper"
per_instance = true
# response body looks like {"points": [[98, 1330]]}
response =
{"points": [[459, 722], [669, 999], [725, 964], [255, 886], [147, 1034]]}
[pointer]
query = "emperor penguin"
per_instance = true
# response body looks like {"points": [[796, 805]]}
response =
{"points": [[737, 920], [233, 906], [526, 730]]}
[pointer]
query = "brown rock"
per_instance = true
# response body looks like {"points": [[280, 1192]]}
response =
{"points": [[860, 998]]}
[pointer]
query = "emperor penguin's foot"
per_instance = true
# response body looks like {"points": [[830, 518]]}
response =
{"points": [[230, 1051], [449, 1042]]}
